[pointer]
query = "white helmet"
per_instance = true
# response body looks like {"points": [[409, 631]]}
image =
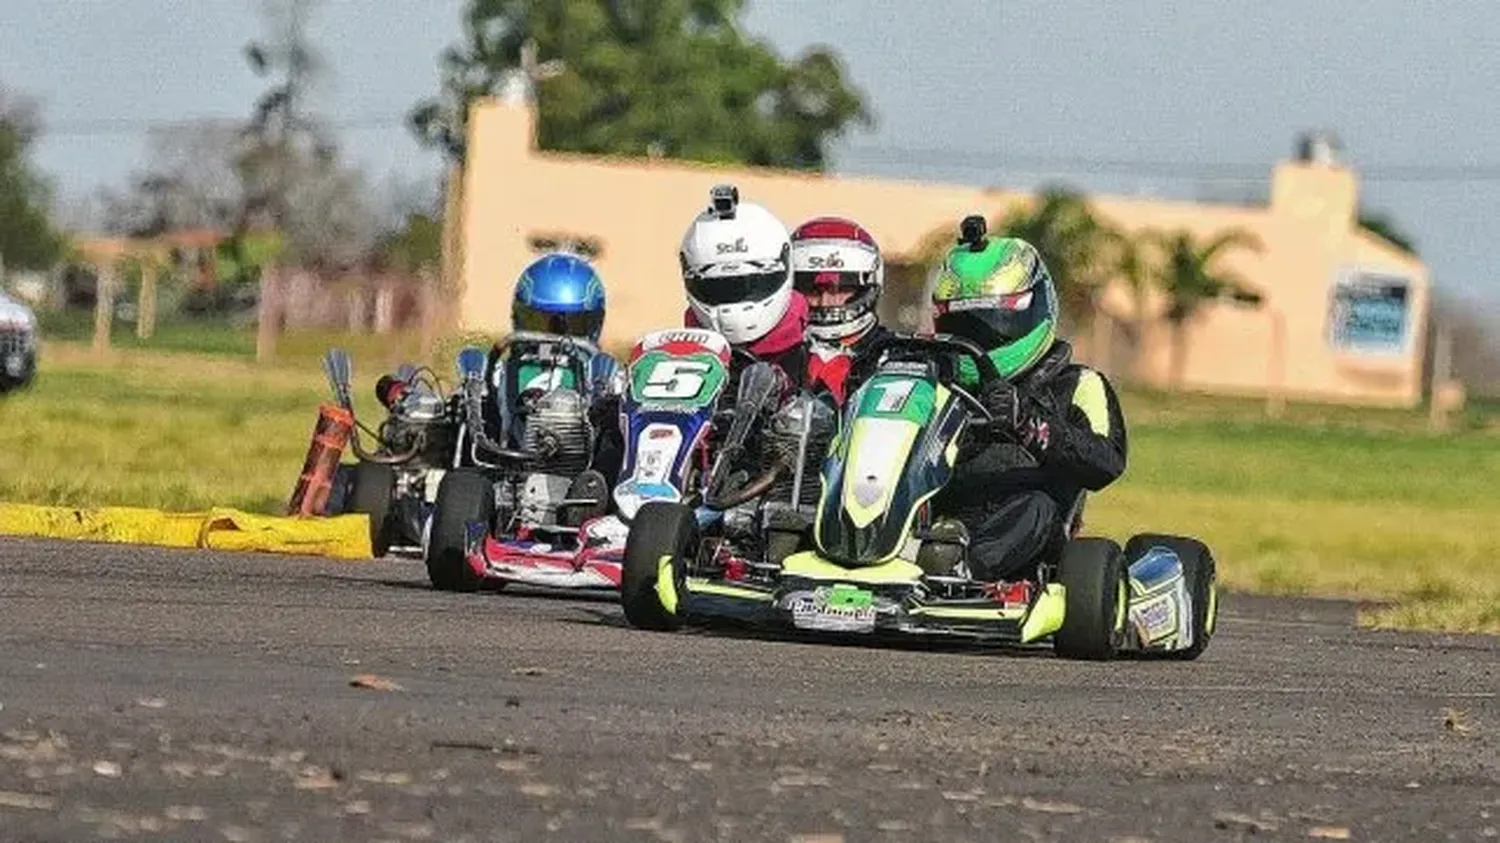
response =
{"points": [[736, 266]]}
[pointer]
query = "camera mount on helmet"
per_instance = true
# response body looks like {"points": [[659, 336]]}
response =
{"points": [[971, 232], [723, 200]]}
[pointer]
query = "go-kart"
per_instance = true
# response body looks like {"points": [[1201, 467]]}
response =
{"points": [[527, 504], [871, 560], [395, 482]]}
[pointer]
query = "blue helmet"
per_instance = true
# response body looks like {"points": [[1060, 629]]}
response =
{"points": [[559, 294]]}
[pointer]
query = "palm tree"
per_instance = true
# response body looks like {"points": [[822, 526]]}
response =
{"points": [[1189, 277]]}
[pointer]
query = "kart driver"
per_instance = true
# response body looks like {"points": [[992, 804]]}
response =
{"points": [[837, 265], [737, 271], [559, 294], [1012, 501]]}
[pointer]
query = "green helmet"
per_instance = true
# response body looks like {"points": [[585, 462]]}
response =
{"points": [[998, 294]]}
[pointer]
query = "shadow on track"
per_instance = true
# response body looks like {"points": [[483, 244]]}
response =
{"points": [[898, 643], [490, 587]]}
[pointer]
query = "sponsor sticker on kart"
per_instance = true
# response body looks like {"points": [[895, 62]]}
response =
{"points": [[839, 608]]}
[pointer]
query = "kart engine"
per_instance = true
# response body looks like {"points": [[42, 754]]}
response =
{"points": [[419, 417], [783, 441], [558, 430]]}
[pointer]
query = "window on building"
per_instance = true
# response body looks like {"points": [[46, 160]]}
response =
{"points": [[1370, 313]]}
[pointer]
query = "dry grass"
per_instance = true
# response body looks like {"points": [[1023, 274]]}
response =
{"points": [[1329, 501]]}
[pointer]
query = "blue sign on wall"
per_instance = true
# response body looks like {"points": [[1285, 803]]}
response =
{"points": [[1370, 313]]}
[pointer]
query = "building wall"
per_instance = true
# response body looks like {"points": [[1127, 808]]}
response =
{"points": [[636, 210]]}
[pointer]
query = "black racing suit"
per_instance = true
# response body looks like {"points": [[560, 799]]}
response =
{"points": [[1015, 493]]}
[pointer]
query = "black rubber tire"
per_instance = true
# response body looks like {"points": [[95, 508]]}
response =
{"points": [[1202, 576], [464, 495], [23, 381], [1093, 572], [659, 529], [371, 486]]}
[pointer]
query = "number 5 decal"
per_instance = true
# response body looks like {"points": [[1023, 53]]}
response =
{"points": [[675, 380]]}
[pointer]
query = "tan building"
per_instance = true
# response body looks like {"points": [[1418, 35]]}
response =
{"points": [[1344, 314]]}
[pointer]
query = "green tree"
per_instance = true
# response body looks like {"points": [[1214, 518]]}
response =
{"points": [[27, 237], [1190, 277], [674, 78], [1080, 250]]}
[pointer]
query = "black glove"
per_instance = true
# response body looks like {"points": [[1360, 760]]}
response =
{"points": [[1021, 412], [1003, 401]]}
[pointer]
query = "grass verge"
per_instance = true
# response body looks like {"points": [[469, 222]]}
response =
{"points": [[1331, 502]]}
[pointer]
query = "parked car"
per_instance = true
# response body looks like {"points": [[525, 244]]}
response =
{"points": [[18, 341]]}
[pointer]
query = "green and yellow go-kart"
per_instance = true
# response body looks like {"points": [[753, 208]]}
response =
{"points": [[873, 562]]}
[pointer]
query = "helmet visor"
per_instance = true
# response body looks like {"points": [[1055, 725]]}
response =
{"points": [[812, 281], [585, 324], [734, 289], [994, 321]]}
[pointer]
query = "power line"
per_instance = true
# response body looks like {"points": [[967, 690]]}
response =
{"points": [[1208, 171], [135, 126], [916, 157]]}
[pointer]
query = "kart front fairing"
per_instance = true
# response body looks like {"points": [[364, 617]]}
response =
{"points": [[674, 381], [896, 450]]}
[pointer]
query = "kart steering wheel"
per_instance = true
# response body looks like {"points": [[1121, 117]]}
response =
{"points": [[949, 344]]}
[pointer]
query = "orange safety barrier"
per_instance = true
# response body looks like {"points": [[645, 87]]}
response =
{"points": [[330, 436]]}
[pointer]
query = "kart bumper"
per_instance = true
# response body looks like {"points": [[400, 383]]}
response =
{"points": [[845, 609], [510, 560], [1154, 617]]}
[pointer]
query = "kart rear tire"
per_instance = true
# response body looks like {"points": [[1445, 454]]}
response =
{"points": [[1201, 573], [371, 486], [1092, 570], [659, 529], [464, 495]]}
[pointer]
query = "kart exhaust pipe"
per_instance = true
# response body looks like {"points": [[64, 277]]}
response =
{"points": [[330, 435]]}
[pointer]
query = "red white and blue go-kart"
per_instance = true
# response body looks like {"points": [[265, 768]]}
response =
{"points": [[527, 506], [526, 515]]}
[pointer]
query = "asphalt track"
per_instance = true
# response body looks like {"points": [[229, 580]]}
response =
{"points": [[175, 695]]}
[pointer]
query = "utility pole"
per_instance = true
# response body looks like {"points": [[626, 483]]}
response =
{"points": [[276, 121]]}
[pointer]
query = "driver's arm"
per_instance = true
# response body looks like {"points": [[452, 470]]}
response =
{"points": [[1083, 429]]}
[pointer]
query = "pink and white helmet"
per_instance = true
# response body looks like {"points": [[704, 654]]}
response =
{"points": [[832, 253]]}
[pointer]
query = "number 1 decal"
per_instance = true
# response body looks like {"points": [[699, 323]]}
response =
{"points": [[893, 395]]}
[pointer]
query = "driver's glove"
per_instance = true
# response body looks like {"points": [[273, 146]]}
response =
{"points": [[1003, 402], [1021, 412]]}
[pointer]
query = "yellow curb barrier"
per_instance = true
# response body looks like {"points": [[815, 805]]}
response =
{"points": [[338, 537]]}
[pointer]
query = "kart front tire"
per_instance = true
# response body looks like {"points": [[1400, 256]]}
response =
{"points": [[1092, 570], [659, 530], [371, 486], [464, 495], [1201, 573]]}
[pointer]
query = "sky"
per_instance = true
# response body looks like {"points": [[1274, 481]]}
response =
{"points": [[1174, 98]]}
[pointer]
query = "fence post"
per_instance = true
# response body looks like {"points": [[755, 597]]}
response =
{"points": [[145, 316], [427, 288], [269, 310], [1442, 371], [104, 305], [1276, 389]]}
